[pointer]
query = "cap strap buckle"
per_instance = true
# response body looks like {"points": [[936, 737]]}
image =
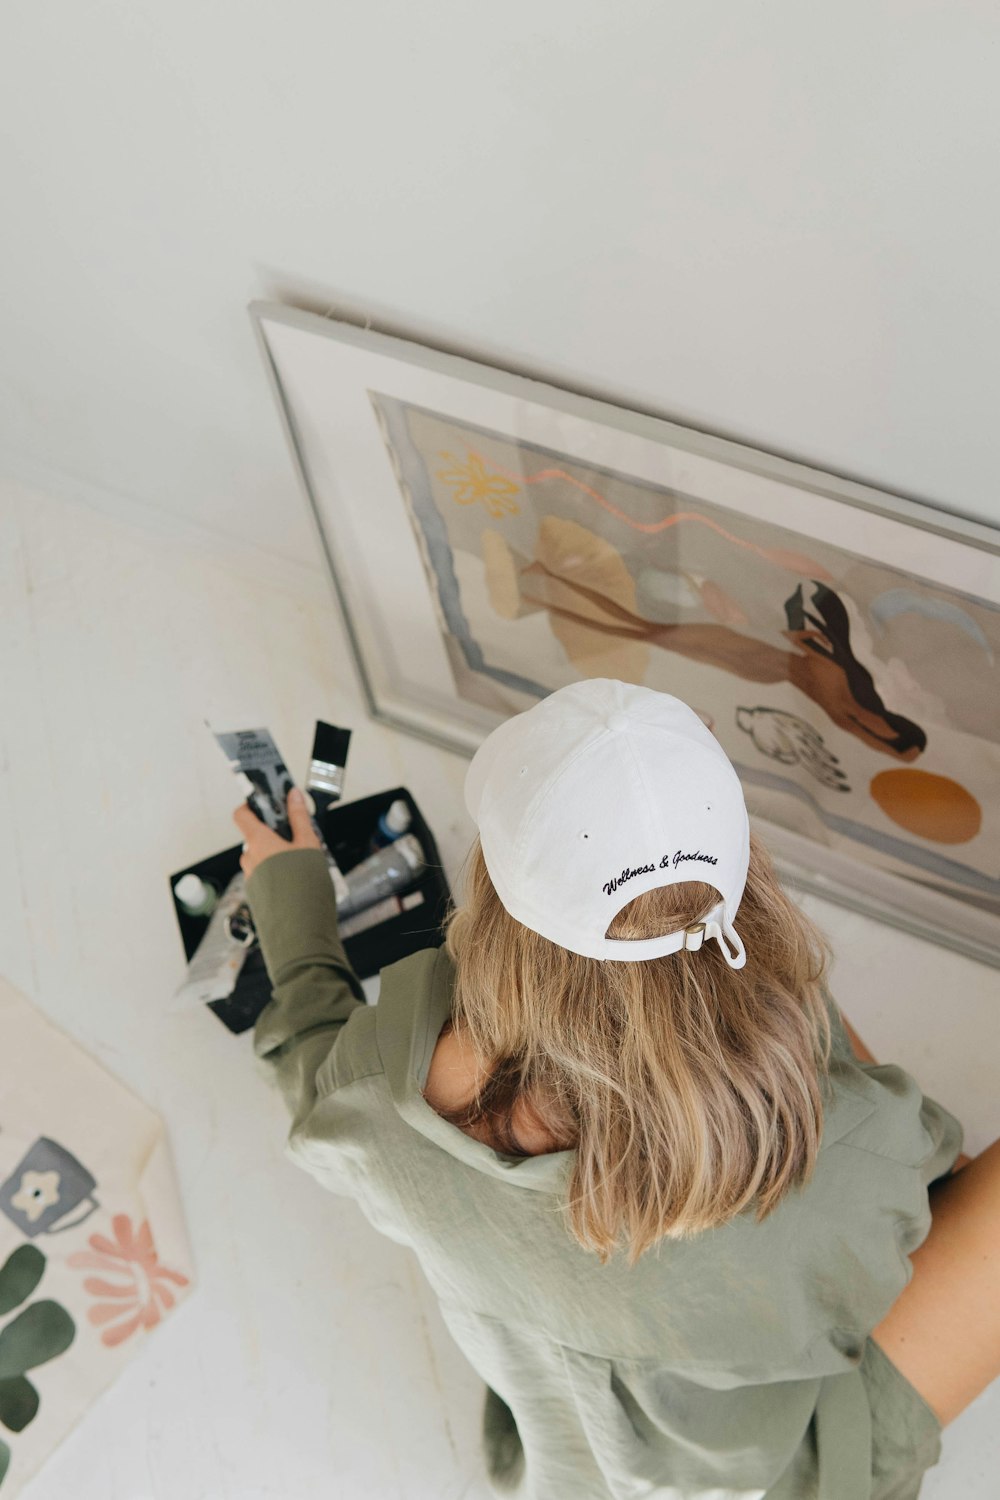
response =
{"points": [[694, 936]]}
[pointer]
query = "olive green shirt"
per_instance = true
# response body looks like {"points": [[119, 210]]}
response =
{"points": [[736, 1364]]}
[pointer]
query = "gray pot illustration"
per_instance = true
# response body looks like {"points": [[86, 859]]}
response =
{"points": [[47, 1184]]}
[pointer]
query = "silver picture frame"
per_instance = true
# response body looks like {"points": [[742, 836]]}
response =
{"points": [[489, 536]]}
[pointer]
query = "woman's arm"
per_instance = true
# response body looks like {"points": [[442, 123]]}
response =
{"points": [[857, 1045], [315, 990], [863, 1055]]}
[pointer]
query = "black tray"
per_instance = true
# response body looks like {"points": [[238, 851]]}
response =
{"points": [[347, 828]]}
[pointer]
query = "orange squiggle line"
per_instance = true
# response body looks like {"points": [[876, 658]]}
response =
{"points": [[650, 527]]}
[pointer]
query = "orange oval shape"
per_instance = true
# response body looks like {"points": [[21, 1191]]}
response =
{"points": [[933, 807]]}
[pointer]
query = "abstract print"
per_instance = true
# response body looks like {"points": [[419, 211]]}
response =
{"points": [[858, 703]]}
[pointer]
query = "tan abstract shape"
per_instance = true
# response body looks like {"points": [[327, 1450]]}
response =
{"points": [[596, 654], [577, 570], [571, 551], [539, 586], [933, 807], [502, 564]]}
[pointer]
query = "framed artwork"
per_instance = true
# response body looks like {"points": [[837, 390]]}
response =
{"points": [[492, 538]]}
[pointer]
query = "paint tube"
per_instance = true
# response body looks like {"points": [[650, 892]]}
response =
{"points": [[382, 911], [266, 780], [216, 962], [391, 869]]}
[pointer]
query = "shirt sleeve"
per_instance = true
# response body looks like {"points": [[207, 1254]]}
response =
{"points": [[947, 1137], [315, 989], [935, 1131]]}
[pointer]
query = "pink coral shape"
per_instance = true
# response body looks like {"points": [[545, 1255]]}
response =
{"points": [[139, 1293]]}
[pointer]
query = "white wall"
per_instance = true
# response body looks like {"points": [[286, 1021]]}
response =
{"points": [[773, 220]]}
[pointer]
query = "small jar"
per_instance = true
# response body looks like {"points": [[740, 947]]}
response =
{"points": [[195, 895]]}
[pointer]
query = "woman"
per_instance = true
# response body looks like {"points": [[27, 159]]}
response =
{"points": [[666, 1210]]}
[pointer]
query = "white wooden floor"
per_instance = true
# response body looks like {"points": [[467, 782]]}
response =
{"points": [[312, 1361]]}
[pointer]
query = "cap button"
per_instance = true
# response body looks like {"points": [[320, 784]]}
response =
{"points": [[617, 721]]}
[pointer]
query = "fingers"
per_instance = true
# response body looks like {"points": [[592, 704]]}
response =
{"points": [[263, 841], [298, 817], [245, 819]]}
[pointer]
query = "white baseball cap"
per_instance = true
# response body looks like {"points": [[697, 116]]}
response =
{"points": [[600, 792]]}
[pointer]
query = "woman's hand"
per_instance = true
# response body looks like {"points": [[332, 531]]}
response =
{"points": [[262, 842]]}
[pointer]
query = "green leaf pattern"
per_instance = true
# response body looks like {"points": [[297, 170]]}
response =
{"points": [[40, 1332]]}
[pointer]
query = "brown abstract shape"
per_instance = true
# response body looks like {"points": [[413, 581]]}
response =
{"points": [[933, 807], [831, 674]]}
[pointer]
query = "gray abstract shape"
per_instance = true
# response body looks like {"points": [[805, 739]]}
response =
{"points": [[906, 601]]}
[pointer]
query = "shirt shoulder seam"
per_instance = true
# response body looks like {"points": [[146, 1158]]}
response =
{"points": [[870, 1151]]}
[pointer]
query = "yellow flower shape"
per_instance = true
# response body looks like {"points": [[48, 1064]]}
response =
{"points": [[37, 1192], [470, 481]]}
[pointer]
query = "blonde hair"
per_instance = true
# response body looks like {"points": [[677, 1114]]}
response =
{"points": [[688, 1089]]}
